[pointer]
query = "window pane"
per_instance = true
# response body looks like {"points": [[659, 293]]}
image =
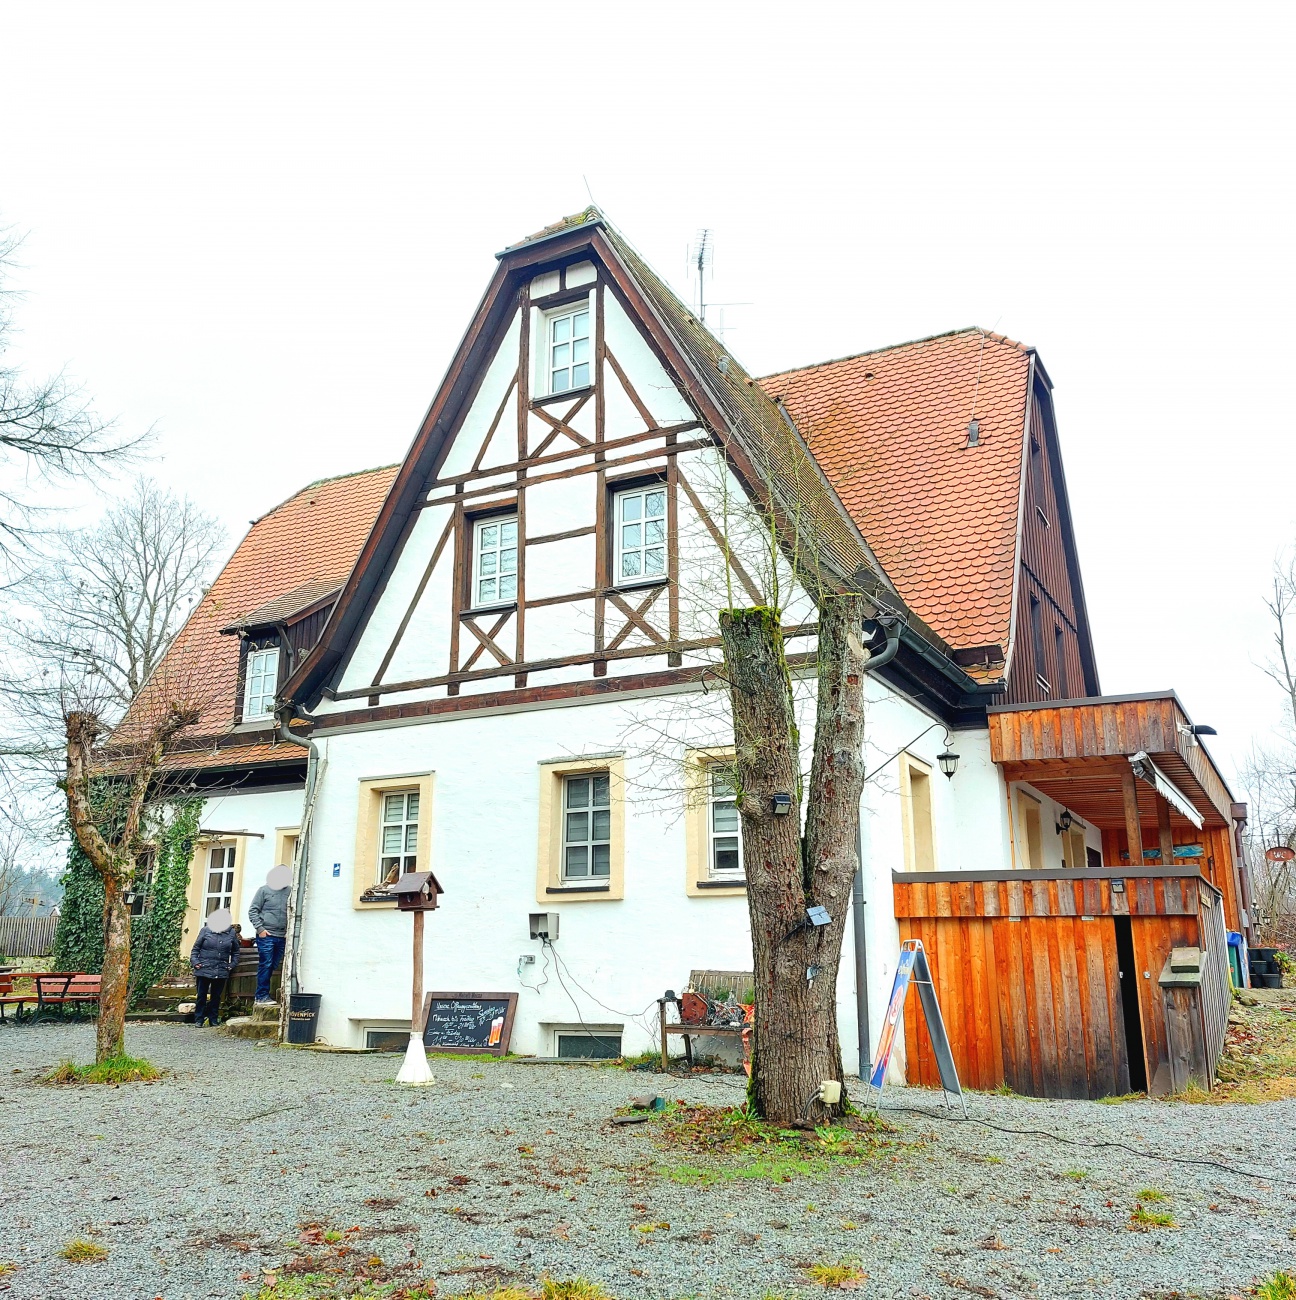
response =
{"points": [[393, 807], [577, 827], [726, 855], [580, 375], [602, 860], [630, 505], [578, 792], [508, 588], [412, 805], [508, 533], [391, 839], [561, 355], [580, 350], [630, 564], [485, 591], [581, 323], [411, 839], [631, 535], [577, 862], [561, 382], [655, 561], [602, 788], [489, 536], [486, 563], [655, 531], [214, 880], [561, 328], [508, 561], [602, 829], [656, 503], [724, 817], [389, 870]]}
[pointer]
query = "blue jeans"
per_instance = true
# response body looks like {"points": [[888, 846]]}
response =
{"points": [[270, 950]]}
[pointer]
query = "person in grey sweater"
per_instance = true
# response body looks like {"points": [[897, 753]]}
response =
{"points": [[269, 916], [214, 956]]}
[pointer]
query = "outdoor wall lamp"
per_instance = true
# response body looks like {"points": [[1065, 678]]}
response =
{"points": [[1064, 822], [781, 805], [948, 761]]}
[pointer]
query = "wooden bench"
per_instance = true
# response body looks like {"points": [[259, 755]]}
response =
{"points": [[54, 990]]}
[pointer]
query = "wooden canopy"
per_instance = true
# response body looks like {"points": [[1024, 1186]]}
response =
{"points": [[1131, 766]]}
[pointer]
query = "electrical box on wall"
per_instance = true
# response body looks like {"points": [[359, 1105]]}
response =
{"points": [[544, 925]]}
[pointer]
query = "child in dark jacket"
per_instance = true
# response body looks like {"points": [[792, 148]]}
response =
{"points": [[214, 957]]}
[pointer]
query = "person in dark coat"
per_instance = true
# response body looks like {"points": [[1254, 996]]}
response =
{"points": [[214, 957]]}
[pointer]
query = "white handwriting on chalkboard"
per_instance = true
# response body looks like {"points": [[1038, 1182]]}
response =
{"points": [[466, 1023]]}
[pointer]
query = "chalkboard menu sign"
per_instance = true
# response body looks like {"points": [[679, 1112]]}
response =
{"points": [[468, 1022]]}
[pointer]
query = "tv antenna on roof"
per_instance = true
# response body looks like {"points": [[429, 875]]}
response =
{"points": [[700, 259]]}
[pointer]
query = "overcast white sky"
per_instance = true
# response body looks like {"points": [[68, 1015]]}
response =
{"points": [[264, 228]]}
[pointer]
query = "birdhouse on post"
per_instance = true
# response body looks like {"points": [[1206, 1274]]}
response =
{"points": [[416, 891]]}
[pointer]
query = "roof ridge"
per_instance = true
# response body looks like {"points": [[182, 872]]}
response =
{"points": [[896, 347], [319, 482]]}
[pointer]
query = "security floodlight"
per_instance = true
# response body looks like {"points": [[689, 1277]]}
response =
{"points": [[781, 805]]}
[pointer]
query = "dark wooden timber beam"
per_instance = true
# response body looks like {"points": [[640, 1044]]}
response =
{"points": [[1133, 829]]}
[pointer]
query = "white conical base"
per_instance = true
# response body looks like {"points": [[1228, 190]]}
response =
{"points": [[414, 1068]]}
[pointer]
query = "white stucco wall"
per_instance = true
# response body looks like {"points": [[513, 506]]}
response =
{"points": [[621, 954]]}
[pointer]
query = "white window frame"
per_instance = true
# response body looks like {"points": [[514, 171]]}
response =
{"points": [[622, 527], [552, 320], [224, 896], [261, 668], [404, 859], [590, 841], [495, 552], [715, 799]]}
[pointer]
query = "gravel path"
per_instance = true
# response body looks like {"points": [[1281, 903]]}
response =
{"points": [[242, 1143]]}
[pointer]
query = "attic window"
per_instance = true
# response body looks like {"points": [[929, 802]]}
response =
{"points": [[261, 680], [568, 344]]}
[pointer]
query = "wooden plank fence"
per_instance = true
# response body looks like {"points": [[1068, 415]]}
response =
{"points": [[27, 936]]}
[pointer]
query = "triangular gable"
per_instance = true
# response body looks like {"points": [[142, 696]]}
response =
{"points": [[760, 439]]}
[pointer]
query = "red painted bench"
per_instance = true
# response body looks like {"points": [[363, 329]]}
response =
{"points": [[54, 990]]}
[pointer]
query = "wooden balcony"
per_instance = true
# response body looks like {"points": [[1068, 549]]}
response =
{"points": [[1058, 983]]}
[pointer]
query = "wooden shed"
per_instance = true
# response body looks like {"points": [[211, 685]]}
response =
{"points": [[1090, 979]]}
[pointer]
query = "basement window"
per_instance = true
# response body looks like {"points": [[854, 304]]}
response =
{"points": [[588, 1045]]}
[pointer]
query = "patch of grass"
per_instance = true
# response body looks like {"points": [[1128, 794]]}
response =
{"points": [[1119, 1100], [736, 1143], [1151, 1194], [576, 1288], [1144, 1220], [843, 1276], [1076, 1175], [1259, 1061], [329, 1286], [115, 1070], [1282, 1286], [81, 1251], [7, 1267], [650, 1061]]}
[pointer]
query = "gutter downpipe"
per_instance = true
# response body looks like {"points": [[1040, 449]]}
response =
{"points": [[295, 899], [863, 1029]]}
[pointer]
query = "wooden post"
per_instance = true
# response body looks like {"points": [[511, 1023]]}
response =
{"points": [[1163, 827], [416, 1013], [1133, 830]]}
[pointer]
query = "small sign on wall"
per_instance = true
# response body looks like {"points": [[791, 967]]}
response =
{"points": [[337, 868]]}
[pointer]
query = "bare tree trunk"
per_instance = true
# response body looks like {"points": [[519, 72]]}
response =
{"points": [[795, 961], [115, 987]]}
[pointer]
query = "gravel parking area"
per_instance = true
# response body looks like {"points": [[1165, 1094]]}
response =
{"points": [[195, 1184]]}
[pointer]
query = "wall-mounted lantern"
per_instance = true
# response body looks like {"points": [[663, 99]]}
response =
{"points": [[1064, 822], [781, 805], [948, 761]]}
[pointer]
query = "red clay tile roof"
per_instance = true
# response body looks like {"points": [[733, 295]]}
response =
{"points": [[313, 537], [890, 429]]}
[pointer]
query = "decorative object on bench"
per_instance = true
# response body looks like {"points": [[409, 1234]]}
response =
{"points": [[710, 1006]]}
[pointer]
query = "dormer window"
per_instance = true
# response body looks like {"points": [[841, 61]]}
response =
{"points": [[568, 344], [261, 680]]}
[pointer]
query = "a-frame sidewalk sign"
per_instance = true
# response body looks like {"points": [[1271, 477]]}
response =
{"points": [[912, 968]]}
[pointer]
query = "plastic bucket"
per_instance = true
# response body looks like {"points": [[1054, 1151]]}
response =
{"points": [[303, 1017]]}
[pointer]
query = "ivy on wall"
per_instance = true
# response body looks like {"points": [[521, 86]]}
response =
{"points": [[155, 936]]}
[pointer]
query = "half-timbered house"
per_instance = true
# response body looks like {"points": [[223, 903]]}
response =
{"points": [[498, 661]]}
